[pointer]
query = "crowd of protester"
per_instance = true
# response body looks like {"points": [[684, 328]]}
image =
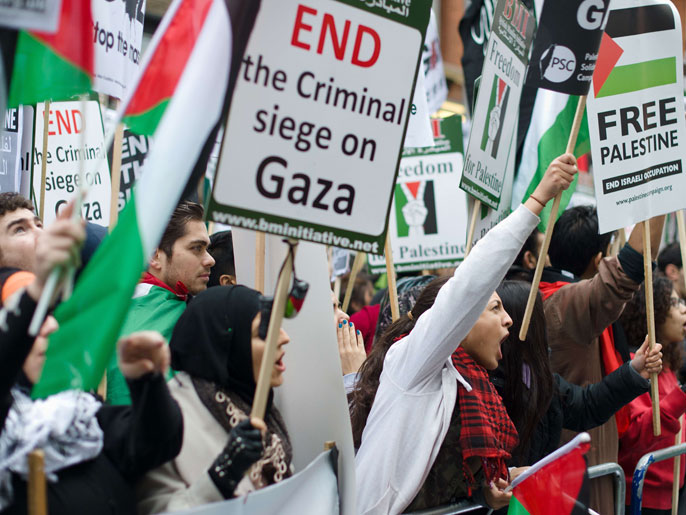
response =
{"points": [[446, 403]]}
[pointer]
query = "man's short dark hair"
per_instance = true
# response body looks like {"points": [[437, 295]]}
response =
{"points": [[531, 245], [670, 255], [11, 201], [576, 241], [185, 212], [221, 249]]}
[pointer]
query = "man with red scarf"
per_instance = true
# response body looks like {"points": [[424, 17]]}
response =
{"points": [[583, 295], [179, 267]]}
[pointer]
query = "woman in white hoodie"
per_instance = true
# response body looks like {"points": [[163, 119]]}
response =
{"points": [[413, 407]]}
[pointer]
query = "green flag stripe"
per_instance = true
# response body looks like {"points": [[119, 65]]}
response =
{"points": [[553, 142], [491, 103], [40, 73], [115, 269], [516, 507], [146, 122], [639, 76], [400, 201]]}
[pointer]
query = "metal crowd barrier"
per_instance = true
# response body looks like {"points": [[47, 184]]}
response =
{"points": [[605, 469], [640, 472]]}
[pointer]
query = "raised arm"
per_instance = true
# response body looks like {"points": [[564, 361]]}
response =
{"points": [[459, 303]]}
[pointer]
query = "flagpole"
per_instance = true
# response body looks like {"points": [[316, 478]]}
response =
{"points": [[681, 228], [540, 264], [472, 227], [390, 272], [44, 164], [259, 404], [354, 271], [650, 314]]}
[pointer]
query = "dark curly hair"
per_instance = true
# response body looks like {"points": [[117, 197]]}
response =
{"points": [[364, 393], [633, 319], [11, 201]]}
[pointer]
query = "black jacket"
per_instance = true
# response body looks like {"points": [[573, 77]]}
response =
{"points": [[137, 438]]}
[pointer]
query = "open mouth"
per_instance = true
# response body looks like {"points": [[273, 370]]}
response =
{"points": [[278, 364]]}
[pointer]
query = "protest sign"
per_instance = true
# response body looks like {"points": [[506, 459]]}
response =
{"points": [[636, 115], [432, 64], [40, 15], [317, 120], [488, 218], [566, 47], [75, 139], [418, 134], [427, 223], [10, 150], [497, 101], [312, 360], [134, 150], [117, 36], [26, 150]]}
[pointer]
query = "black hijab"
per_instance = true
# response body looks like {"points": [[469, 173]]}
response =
{"points": [[212, 339]]}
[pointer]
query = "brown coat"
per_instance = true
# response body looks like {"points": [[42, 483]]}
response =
{"points": [[576, 315]]}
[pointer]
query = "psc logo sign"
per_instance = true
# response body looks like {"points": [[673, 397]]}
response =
{"points": [[557, 63]]}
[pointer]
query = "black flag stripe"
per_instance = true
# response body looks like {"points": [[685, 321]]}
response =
{"points": [[639, 20]]}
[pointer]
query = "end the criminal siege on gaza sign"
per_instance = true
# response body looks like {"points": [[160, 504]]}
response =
{"points": [[636, 115], [317, 119]]}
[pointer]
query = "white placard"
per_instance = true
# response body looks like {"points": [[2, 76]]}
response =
{"points": [[69, 147], [40, 15], [117, 36], [636, 115], [10, 150]]}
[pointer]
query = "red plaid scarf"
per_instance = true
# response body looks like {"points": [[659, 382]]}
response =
{"points": [[486, 430]]}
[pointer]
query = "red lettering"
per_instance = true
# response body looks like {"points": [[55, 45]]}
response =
{"points": [[63, 122], [299, 25], [338, 45], [507, 11], [436, 128], [77, 127], [361, 31], [521, 19], [50, 132]]}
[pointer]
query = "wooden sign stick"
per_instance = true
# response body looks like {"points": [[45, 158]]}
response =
{"points": [[472, 226], [116, 175], [259, 404], [677, 468], [260, 249], [571, 143], [681, 228], [44, 161], [650, 313], [357, 266], [390, 272], [36, 490]]}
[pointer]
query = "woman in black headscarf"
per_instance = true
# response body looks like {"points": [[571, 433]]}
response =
{"points": [[217, 350]]}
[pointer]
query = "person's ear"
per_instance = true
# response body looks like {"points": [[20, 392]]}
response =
{"points": [[156, 260], [597, 259], [672, 272], [529, 261], [227, 280]]}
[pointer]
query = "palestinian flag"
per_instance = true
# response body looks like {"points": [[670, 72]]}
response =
{"points": [[556, 484], [55, 66], [551, 123], [422, 191], [622, 42], [497, 107], [183, 90]]}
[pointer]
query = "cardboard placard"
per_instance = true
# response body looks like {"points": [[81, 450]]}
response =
{"points": [[317, 120], [497, 102], [636, 115], [40, 15], [10, 150], [68, 148], [427, 222], [117, 36]]}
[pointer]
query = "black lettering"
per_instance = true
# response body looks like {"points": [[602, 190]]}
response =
{"points": [[318, 200]]}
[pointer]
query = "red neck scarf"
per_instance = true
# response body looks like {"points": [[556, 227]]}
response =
{"points": [[486, 429], [612, 360], [181, 291]]}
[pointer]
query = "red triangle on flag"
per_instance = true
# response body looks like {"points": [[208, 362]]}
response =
{"points": [[413, 187], [501, 88], [608, 55]]}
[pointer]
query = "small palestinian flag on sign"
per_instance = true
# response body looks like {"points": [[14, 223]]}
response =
{"points": [[55, 66], [635, 73], [497, 106], [415, 208], [556, 484]]}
